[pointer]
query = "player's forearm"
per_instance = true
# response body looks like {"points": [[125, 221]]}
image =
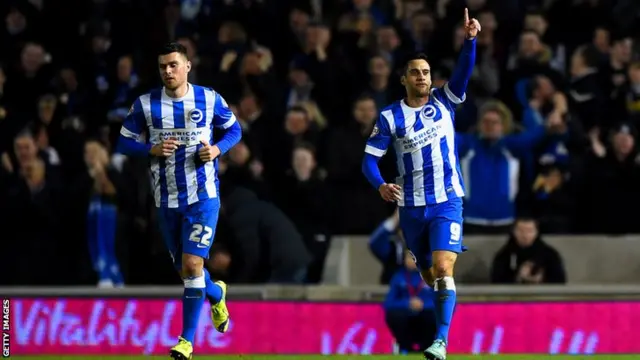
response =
{"points": [[131, 147], [230, 138], [464, 68], [371, 171]]}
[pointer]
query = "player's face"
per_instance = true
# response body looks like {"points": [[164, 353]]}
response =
{"points": [[174, 69], [417, 79]]}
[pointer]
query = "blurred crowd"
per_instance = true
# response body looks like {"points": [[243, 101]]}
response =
{"points": [[548, 130]]}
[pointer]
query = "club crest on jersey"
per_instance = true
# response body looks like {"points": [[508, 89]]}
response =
{"points": [[375, 131], [429, 112], [195, 115]]}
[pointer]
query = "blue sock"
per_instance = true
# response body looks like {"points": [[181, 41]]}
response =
{"points": [[192, 300], [445, 289], [214, 292]]}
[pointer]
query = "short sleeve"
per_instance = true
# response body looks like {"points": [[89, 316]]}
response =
{"points": [[380, 137], [223, 117], [445, 96], [135, 122]]}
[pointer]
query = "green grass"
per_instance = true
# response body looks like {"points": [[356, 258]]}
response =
{"points": [[345, 357]]}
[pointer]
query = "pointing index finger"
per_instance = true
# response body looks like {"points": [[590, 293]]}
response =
{"points": [[466, 15]]}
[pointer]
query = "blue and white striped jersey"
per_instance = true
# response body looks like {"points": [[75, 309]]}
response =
{"points": [[181, 179], [424, 142]]}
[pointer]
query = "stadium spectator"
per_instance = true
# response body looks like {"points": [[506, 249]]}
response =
{"points": [[304, 197], [344, 174], [491, 164], [271, 247], [526, 258], [613, 172], [103, 188], [409, 308], [241, 169]]}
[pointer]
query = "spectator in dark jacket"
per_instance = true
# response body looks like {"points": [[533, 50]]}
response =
{"points": [[267, 239], [527, 259], [304, 197]]}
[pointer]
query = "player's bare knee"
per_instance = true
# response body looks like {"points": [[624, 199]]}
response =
{"points": [[192, 265]]}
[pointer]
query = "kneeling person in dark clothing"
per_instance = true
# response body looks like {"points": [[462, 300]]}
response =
{"points": [[409, 309]]}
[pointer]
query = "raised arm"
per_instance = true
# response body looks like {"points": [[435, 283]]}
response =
{"points": [[457, 85]]}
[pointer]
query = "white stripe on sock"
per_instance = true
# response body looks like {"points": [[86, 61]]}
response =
{"points": [[195, 283]]}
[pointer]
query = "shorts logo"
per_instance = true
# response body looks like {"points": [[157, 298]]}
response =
{"points": [[374, 132], [195, 115], [429, 112]]}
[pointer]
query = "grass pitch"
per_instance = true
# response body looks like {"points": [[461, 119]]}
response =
{"points": [[346, 357]]}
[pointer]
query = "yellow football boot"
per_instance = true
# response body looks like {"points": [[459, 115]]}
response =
{"points": [[219, 311], [182, 351]]}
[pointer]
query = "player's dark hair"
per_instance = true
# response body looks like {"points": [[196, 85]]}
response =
{"points": [[173, 47], [417, 56]]}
